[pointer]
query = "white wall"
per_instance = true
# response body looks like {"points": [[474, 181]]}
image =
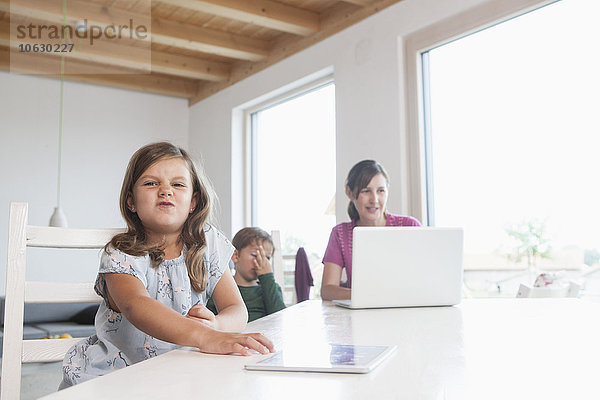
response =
{"points": [[102, 129], [367, 65]]}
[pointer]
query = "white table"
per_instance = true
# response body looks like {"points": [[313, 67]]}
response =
{"points": [[482, 349]]}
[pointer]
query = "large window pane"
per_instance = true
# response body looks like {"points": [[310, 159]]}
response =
{"points": [[294, 170], [514, 138]]}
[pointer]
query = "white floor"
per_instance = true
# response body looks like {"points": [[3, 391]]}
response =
{"points": [[39, 379]]}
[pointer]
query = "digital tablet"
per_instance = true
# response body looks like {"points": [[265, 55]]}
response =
{"points": [[353, 359]]}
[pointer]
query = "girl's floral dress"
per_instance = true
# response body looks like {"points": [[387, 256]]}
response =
{"points": [[117, 343]]}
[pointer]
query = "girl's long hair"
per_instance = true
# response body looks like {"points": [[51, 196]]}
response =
{"points": [[133, 241], [358, 178]]}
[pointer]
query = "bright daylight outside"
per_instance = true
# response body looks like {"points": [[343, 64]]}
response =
{"points": [[515, 139], [294, 173]]}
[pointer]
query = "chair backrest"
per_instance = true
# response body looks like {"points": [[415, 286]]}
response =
{"points": [[19, 291], [277, 259], [280, 272]]}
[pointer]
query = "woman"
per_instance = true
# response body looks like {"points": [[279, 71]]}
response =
{"points": [[367, 188]]}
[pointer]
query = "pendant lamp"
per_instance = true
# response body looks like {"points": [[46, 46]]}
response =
{"points": [[59, 218]]}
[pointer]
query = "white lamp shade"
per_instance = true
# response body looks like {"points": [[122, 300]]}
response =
{"points": [[58, 218]]}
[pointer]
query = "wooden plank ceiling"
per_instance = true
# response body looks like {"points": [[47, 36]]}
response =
{"points": [[193, 48]]}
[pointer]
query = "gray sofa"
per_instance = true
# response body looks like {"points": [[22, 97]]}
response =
{"points": [[41, 320]]}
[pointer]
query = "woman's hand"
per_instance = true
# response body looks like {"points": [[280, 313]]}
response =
{"points": [[216, 342], [330, 284], [261, 262], [203, 315]]}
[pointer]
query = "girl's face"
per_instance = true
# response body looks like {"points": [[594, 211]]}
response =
{"points": [[163, 197], [371, 201]]}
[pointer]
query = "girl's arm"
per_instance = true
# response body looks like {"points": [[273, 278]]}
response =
{"points": [[233, 314], [126, 294], [330, 284]]}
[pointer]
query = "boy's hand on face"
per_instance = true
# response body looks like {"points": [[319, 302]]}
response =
{"points": [[261, 262]]}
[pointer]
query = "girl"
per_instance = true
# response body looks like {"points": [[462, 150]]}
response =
{"points": [[367, 188], [156, 277]]}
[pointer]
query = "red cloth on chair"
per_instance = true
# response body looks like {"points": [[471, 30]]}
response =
{"points": [[303, 276]]}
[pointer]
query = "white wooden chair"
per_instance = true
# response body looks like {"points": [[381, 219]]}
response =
{"points": [[18, 292], [277, 259], [279, 268]]}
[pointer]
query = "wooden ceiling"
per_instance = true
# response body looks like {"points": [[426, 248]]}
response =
{"points": [[193, 48]]}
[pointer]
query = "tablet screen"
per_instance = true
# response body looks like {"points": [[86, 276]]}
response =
{"points": [[327, 358]]}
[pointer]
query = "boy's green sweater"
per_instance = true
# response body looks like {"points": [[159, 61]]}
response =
{"points": [[261, 300]]}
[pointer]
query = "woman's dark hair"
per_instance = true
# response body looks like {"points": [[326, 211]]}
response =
{"points": [[133, 241], [358, 178]]}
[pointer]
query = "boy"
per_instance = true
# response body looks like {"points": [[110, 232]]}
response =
{"points": [[254, 274]]}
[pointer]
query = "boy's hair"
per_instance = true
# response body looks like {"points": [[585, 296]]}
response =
{"points": [[250, 236], [358, 178], [133, 241]]}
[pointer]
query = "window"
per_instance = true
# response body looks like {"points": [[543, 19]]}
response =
{"points": [[511, 144], [293, 169]]}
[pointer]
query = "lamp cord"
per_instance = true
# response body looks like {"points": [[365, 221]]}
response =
{"points": [[60, 111], [60, 126]]}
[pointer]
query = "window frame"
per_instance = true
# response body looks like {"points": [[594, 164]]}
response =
{"points": [[420, 199], [250, 166]]}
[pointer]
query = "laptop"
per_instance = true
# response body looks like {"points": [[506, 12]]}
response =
{"points": [[405, 267]]}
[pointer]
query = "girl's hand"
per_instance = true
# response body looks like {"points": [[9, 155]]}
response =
{"points": [[200, 313], [216, 342], [261, 262]]}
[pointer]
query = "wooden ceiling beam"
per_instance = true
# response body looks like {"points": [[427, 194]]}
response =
{"points": [[102, 75], [266, 13], [361, 3], [331, 23], [190, 37], [139, 59], [185, 36], [189, 67]]}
